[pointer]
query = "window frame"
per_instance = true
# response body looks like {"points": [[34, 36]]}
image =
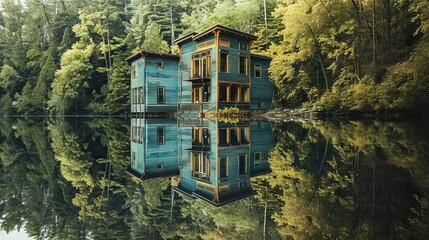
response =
{"points": [[133, 158], [160, 138], [245, 65], [158, 95], [134, 72], [257, 67], [159, 64], [226, 70], [241, 44], [159, 166], [257, 162], [226, 159], [201, 65], [246, 164]]}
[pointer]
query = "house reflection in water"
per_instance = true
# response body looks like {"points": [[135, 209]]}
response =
{"points": [[215, 160]]}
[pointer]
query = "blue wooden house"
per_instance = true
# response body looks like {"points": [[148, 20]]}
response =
{"points": [[218, 71], [154, 82], [154, 148], [214, 70]]}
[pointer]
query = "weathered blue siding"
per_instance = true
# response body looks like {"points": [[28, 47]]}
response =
{"points": [[150, 77], [262, 89], [149, 153], [262, 140]]}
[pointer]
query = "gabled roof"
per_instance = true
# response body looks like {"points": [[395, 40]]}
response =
{"points": [[185, 37], [144, 52], [195, 36]]}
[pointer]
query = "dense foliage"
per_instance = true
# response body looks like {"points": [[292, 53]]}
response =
{"points": [[67, 57]]}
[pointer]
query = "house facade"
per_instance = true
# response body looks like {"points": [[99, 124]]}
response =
{"points": [[219, 71], [154, 82], [214, 70]]}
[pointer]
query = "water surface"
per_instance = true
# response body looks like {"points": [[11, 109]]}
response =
{"points": [[116, 178]]}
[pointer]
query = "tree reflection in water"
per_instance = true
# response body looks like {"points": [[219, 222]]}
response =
{"points": [[66, 179]]}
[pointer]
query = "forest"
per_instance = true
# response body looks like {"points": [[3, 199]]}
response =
{"points": [[68, 56]]}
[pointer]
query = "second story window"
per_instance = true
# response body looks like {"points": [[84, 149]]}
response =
{"points": [[161, 95], [133, 71], [258, 71], [223, 62], [201, 65], [243, 46], [243, 65]]}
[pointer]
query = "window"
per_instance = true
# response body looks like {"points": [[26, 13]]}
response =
{"points": [[200, 136], [223, 163], [223, 137], [234, 93], [201, 65], [200, 93], [223, 62], [161, 95], [200, 164], [159, 64], [133, 94], [133, 158], [223, 93], [137, 95], [242, 164], [244, 94], [244, 135], [257, 159], [243, 46], [160, 135], [243, 65], [133, 71], [258, 71], [137, 134], [141, 99], [159, 166], [234, 136]]}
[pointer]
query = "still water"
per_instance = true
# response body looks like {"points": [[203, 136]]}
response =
{"points": [[114, 178]]}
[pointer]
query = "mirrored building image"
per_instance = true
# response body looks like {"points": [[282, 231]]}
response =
{"points": [[214, 161], [154, 148]]}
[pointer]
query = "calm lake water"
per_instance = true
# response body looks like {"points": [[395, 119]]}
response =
{"points": [[117, 178]]}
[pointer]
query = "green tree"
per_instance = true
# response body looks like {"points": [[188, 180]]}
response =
{"points": [[153, 40], [72, 78]]}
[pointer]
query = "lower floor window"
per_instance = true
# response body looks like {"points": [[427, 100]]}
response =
{"points": [[233, 93], [137, 95], [200, 165], [200, 93], [233, 136], [242, 164]]}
